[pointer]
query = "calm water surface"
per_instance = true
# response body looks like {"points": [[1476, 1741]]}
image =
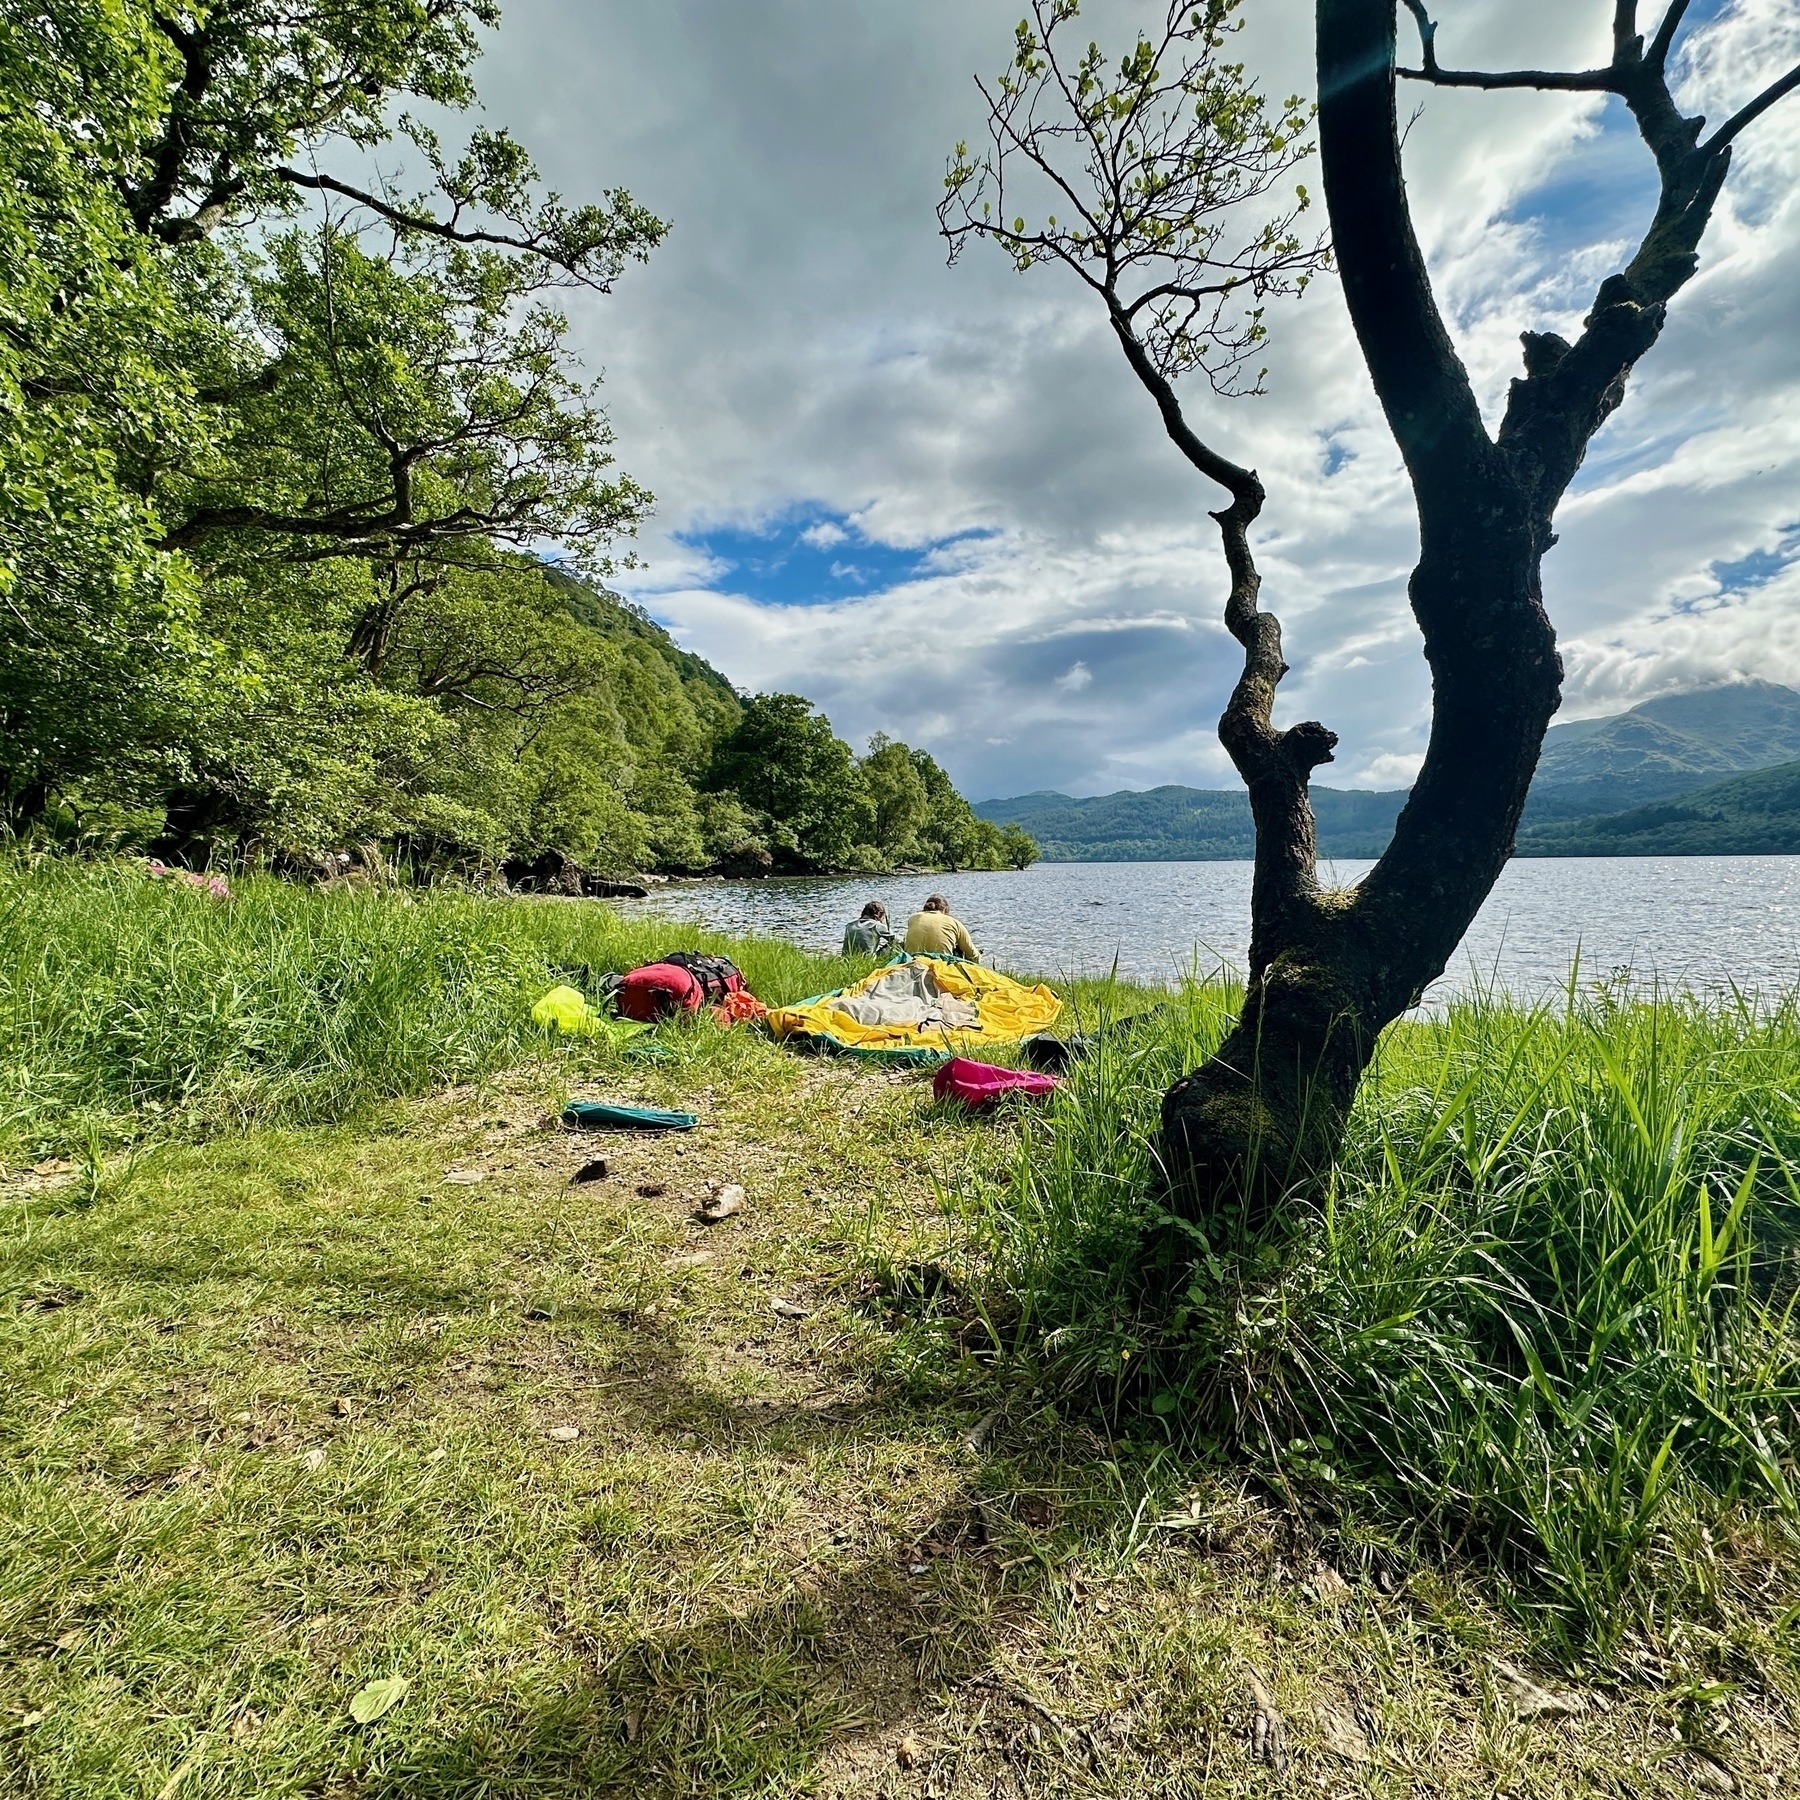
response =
{"points": [[1700, 922]]}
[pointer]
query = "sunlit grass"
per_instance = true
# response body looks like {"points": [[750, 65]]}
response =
{"points": [[1544, 1318], [1523, 1389], [128, 1006]]}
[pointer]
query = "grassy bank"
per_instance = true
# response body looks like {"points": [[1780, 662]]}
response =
{"points": [[327, 1373], [1545, 1321], [130, 1006]]}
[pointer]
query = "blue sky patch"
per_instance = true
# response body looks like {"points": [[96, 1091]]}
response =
{"points": [[810, 556], [1605, 187], [1759, 566]]}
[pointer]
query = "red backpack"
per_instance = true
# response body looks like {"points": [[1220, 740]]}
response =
{"points": [[682, 982]]}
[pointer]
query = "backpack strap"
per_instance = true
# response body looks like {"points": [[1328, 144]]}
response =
{"points": [[714, 973]]}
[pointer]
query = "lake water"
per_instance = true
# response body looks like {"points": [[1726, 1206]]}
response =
{"points": [[1700, 922]]}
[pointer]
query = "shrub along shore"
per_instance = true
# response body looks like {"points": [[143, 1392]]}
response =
{"points": [[323, 1373]]}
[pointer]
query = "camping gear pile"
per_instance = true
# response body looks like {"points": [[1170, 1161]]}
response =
{"points": [[918, 1009], [922, 1008], [683, 982]]}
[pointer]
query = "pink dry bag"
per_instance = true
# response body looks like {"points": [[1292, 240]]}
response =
{"points": [[980, 1085]]}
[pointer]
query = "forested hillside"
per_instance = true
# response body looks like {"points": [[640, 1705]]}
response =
{"points": [[1181, 824], [1749, 815], [1663, 748], [281, 445], [1593, 773]]}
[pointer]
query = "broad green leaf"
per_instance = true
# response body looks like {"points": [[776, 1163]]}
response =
{"points": [[378, 1699]]}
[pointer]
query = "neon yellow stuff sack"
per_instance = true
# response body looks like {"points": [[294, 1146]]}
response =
{"points": [[566, 1010], [922, 1008]]}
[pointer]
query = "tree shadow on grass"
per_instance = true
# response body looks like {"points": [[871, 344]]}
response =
{"points": [[757, 1701], [825, 1667], [728, 1706], [817, 1681]]}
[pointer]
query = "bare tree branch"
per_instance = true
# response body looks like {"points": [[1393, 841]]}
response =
{"points": [[1658, 53], [1555, 81], [1776, 90], [1638, 75], [1583, 81]]}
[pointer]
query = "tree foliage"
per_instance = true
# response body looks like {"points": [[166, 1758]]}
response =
{"points": [[220, 362], [811, 804], [281, 436], [1161, 183]]}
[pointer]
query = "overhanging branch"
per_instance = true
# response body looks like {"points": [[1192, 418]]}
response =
{"points": [[1555, 80], [404, 219], [1749, 114]]}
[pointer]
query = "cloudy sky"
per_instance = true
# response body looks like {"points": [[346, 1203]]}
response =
{"points": [[933, 499]]}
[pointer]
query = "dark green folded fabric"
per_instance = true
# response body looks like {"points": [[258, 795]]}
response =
{"points": [[601, 1115]]}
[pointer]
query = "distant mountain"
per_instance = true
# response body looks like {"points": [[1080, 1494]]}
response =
{"points": [[1749, 815], [1663, 748], [1594, 774], [1183, 824]]}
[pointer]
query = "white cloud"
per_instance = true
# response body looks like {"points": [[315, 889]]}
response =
{"points": [[1665, 650], [799, 343], [1392, 769], [1079, 676]]}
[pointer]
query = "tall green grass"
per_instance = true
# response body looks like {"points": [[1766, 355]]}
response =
{"points": [[129, 1004], [1545, 1315]]}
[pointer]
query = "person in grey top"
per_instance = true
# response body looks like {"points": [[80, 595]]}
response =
{"points": [[869, 935]]}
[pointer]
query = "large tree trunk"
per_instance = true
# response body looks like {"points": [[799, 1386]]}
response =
{"points": [[1265, 1117], [26, 803], [200, 821]]}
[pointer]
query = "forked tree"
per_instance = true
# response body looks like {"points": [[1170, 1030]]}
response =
{"points": [[1162, 181]]}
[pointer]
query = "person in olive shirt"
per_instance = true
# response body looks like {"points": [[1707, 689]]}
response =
{"points": [[934, 932], [869, 935]]}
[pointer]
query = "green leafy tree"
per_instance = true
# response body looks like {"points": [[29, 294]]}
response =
{"points": [[783, 760], [951, 836], [493, 640], [192, 387], [577, 722], [732, 834], [411, 402], [897, 797], [284, 747], [1018, 847], [96, 628]]}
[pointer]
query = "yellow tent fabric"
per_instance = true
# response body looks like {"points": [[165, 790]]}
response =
{"points": [[1006, 1010]]}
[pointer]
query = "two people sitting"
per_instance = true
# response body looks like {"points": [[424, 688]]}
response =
{"points": [[932, 931]]}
